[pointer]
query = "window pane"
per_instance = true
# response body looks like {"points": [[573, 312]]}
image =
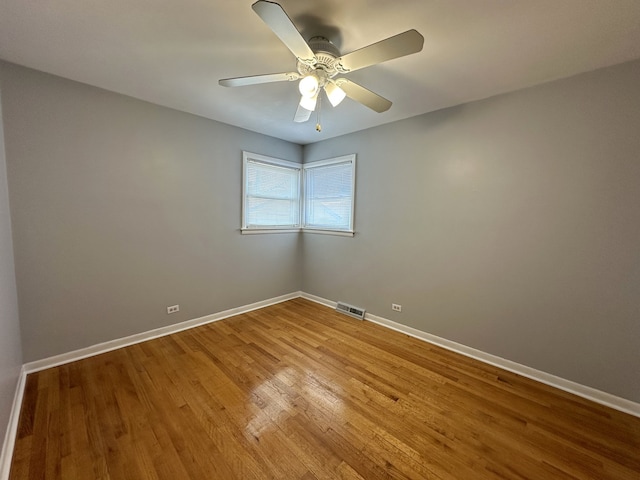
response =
{"points": [[266, 212], [271, 195], [329, 196], [271, 181]]}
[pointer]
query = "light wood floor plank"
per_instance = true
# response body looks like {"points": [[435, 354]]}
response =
{"points": [[297, 391]]}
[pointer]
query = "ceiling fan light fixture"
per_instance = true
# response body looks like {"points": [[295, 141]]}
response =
{"points": [[308, 86], [309, 103], [319, 61], [334, 93]]}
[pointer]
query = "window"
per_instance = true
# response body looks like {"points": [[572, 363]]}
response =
{"points": [[328, 194], [272, 192]]}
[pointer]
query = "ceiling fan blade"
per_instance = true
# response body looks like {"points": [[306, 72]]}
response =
{"points": [[366, 97], [277, 19], [257, 79], [302, 114], [393, 47]]}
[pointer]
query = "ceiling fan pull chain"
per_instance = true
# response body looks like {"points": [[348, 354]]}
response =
{"points": [[318, 126]]}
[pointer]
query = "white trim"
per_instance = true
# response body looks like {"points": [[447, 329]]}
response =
{"points": [[276, 162], [12, 427], [320, 300], [260, 231], [149, 335], [249, 157], [590, 393], [324, 231], [349, 159]]}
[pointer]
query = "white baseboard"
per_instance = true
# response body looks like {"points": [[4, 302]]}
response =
{"points": [[320, 300], [12, 427], [598, 396], [149, 335]]}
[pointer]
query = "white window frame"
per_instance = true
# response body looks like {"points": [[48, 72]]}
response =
{"points": [[248, 157], [321, 163]]}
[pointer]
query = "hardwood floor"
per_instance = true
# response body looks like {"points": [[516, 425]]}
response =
{"points": [[296, 391]]}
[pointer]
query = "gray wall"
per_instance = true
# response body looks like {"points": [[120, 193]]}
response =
{"points": [[511, 225], [121, 208], [10, 350]]}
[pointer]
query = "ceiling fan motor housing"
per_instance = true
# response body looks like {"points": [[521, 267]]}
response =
{"points": [[326, 54]]}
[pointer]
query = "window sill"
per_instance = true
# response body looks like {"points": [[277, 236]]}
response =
{"points": [[340, 233], [260, 231]]}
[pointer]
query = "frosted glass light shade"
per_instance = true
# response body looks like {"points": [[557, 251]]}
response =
{"points": [[309, 103], [308, 86], [334, 93]]}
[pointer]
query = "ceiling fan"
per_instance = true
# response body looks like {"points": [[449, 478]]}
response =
{"points": [[319, 62]]}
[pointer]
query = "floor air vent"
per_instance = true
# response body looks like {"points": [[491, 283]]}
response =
{"points": [[355, 312]]}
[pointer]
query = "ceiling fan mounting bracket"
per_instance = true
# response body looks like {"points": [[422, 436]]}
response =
{"points": [[322, 44], [326, 54]]}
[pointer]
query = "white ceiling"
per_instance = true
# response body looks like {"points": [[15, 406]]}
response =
{"points": [[172, 52]]}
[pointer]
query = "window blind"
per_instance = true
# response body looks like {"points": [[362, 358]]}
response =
{"points": [[271, 195], [328, 195]]}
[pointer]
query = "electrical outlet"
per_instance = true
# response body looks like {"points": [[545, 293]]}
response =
{"points": [[173, 309], [396, 308]]}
